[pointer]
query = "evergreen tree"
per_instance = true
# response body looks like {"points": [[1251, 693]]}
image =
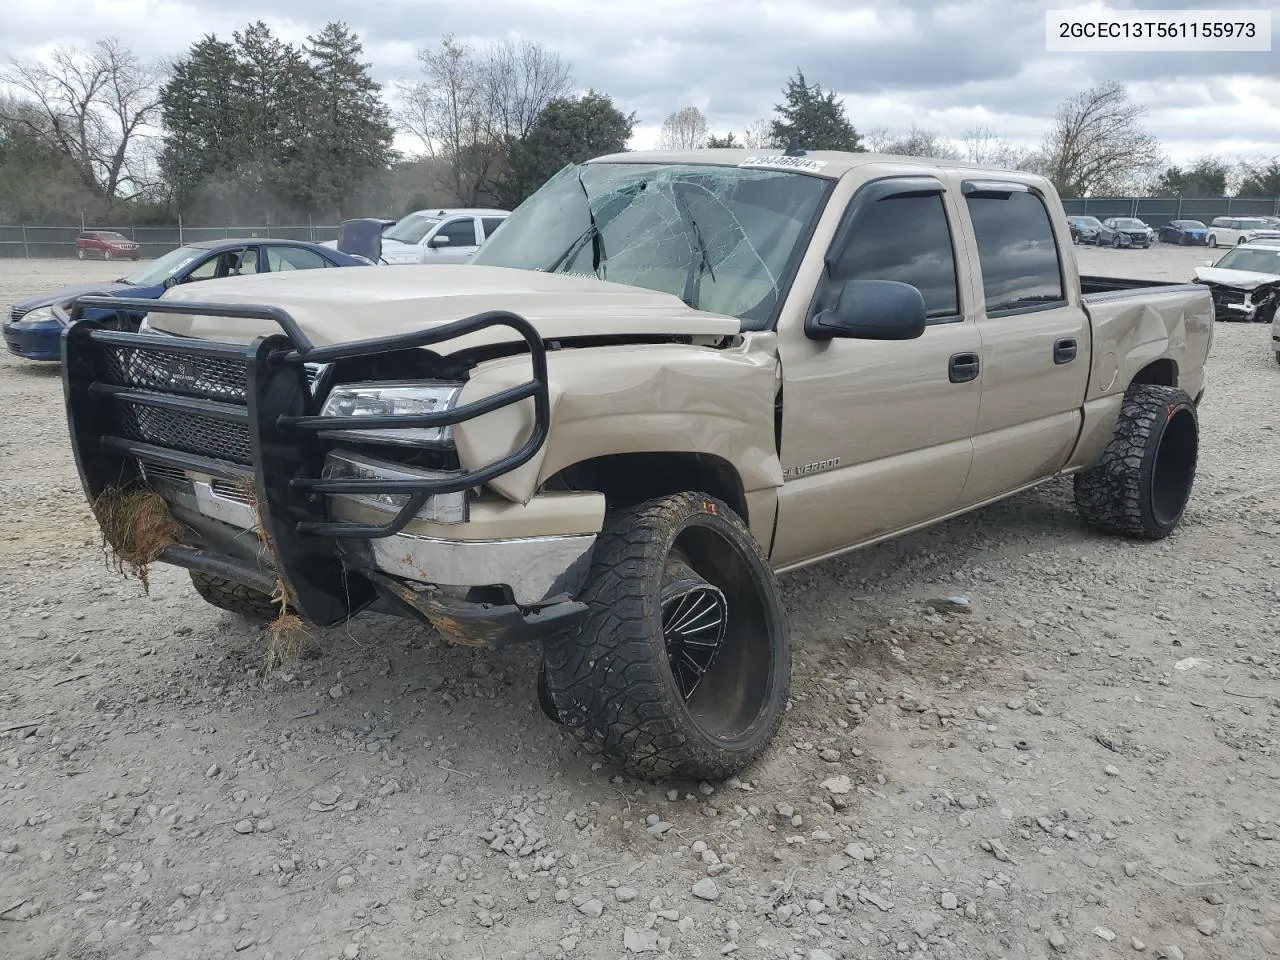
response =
{"points": [[728, 140], [567, 131], [199, 113], [812, 119], [351, 134], [259, 128]]}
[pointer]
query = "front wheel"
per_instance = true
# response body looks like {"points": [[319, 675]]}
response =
{"points": [[1141, 486], [234, 597], [682, 665], [1213, 241], [106, 254], [1115, 242], [80, 254]]}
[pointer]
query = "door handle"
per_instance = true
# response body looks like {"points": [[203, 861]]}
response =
{"points": [[963, 367], [1064, 350]]}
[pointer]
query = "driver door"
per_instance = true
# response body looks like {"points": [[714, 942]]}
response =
{"points": [[877, 436], [453, 242]]}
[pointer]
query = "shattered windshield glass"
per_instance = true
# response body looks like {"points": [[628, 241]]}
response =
{"points": [[722, 239]]}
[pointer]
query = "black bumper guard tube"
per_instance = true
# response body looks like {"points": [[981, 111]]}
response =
{"points": [[245, 413]]}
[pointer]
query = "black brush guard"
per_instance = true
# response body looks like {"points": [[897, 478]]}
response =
{"points": [[246, 414]]}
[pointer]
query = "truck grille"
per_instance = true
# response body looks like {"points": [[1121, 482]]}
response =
{"points": [[211, 378], [183, 431], [159, 371]]}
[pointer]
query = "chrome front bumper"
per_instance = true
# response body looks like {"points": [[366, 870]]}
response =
{"points": [[537, 570], [450, 544]]}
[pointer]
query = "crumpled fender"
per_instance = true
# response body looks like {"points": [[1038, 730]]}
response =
{"points": [[643, 398], [1135, 328]]}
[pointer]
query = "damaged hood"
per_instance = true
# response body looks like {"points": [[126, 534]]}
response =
{"points": [[340, 306], [1239, 279]]}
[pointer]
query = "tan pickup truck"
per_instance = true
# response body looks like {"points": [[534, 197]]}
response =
{"points": [[668, 378]]}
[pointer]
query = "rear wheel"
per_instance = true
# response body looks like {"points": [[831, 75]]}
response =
{"points": [[682, 666], [1141, 485], [80, 253], [234, 597], [1115, 242], [1213, 241]]}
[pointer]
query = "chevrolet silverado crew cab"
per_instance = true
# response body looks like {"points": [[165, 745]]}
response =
{"points": [[669, 378]]}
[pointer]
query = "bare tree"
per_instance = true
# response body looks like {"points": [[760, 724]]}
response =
{"points": [[915, 142], [985, 147], [471, 105], [521, 79], [1096, 143], [93, 107], [686, 129], [758, 135]]}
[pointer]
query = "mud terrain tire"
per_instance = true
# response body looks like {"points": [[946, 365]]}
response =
{"points": [[1141, 485], [652, 680], [234, 597]]}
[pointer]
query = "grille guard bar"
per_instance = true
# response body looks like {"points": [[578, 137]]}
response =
{"points": [[281, 415], [304, 351]]}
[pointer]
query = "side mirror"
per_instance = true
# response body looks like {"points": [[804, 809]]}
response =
{"points": [[871, 310], [1209, 263], [170, 282], [439, 240]]}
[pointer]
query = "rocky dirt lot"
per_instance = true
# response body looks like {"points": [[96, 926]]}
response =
{"points": [[1082, 762]]}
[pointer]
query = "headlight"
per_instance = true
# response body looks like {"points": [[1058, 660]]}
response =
{"points": [[38, 315], [393, 400]]}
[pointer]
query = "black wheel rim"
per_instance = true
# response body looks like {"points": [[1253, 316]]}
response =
{"points": [[695, 616], [1173, 471]]}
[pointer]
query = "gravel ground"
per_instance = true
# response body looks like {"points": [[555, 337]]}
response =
{"points": [[1083, 765]]}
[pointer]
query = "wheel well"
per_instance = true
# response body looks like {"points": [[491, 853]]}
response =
{"points": [[630, 478], [1161, 373]]}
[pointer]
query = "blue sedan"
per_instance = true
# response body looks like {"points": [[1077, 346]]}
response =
{"points": [[1184, 232], [31, 331]]}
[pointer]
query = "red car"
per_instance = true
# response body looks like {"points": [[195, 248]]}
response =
{"points": [[106, 245]]}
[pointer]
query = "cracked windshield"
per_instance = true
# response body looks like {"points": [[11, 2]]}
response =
{"points": [[722, 239]]}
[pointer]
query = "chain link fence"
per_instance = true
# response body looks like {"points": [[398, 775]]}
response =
{"points": [[43, 240], [1157, 211]]}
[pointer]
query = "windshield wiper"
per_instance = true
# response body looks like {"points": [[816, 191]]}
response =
{"points": [[693, 280], [592, 233]]}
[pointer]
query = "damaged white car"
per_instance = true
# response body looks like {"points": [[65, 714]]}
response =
{"points": [[1245, 283]]}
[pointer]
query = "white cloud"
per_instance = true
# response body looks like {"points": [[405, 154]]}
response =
{"points": [[944, 66]]}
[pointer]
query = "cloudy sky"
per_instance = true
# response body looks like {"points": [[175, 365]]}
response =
{"points": [[942, 66]]}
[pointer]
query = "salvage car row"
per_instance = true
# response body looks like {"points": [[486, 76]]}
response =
{"points": [[1132, 232]]}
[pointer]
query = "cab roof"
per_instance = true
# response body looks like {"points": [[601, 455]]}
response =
{"points": [[831, 164]]}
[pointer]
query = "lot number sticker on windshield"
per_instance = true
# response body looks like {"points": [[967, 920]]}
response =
{"points": [[786, 163]]}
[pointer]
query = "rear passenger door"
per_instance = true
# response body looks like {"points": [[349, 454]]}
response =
{"points": [[1035, 341], [453, 242]]}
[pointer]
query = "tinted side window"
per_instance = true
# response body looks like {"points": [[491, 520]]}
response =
{"points": [[293, 258], [905, 238], [1017, 252], [491, 224], [461, 233]]}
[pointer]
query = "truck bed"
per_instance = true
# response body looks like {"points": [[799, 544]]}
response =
{"points": [[1140, 323], [1094, 285]]}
